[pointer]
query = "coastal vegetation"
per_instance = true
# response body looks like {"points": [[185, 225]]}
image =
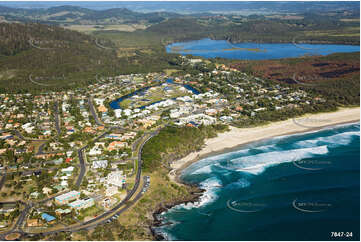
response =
{"points": [[39, 57], [35, 57], [335, 77], [135, 224], [42, 58], [173, 143]]}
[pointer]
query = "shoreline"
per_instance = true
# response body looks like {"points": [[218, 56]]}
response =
{"points": [[234, 139], [237, 137]]}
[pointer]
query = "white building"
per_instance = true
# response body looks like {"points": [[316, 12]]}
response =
{"points": [[111, 190], [82, 203], [95, 151], [118, 113], [198, 119], [116, 178], [99, 164], [99, 101], [28, 127]]}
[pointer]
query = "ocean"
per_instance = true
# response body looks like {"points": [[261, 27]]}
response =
{"points": [[297, 187]]}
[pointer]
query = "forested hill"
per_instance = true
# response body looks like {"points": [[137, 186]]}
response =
{"points": [[311, 28], [50, 56], [78, 15], [15, 38], [37, 57]]}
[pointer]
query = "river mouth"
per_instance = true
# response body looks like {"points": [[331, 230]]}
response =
{"points": [[209, 48]]}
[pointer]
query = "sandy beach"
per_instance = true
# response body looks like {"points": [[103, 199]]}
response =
{"points": [[240, 136]]}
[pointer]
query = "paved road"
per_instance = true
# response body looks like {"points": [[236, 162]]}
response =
{"points": [[82, 161], [41, 151], [94, 113], [22, 216], [57, 118], [82, 167], [27, 172], [103, 218], [2, 181], [20, 136]]}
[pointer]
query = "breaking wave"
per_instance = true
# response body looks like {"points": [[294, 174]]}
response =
{"points": [[256, 164]]}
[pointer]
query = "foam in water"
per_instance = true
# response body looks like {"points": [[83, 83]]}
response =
{"points": [[211, 186], [165, 235], [333, 140], [192, 169], [205, 169], [256, 164], [241, 183], [253, 160]]}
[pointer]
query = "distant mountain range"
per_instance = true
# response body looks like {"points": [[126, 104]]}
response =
{"points": [[198, 7], [154, 12], [80, 15]]}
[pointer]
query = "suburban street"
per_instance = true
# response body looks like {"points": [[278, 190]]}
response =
{"points": [[57, 118], [94, 113], [103, 218], [82, 160]]}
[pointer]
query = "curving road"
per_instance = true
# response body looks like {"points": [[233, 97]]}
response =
{"points": [[103, 218], [81, 156]]}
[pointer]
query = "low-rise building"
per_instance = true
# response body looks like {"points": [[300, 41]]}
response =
{"points": [[99, 164], [33, 222], [116, 178], [48, 218], [82, 203], [111, 190], [67, 197], [60, 211]]}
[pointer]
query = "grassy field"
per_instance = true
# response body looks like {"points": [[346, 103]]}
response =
{"points": [[130, 39], [117, 27], [152, 96], [7, 74], [170, 71]]}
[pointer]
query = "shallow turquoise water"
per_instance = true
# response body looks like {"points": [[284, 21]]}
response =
{"points": [[298, 187], [216, 48]]}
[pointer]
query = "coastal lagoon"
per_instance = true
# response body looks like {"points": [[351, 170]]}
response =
{"points": [[115, 103], [255, 51], [295, 187]]}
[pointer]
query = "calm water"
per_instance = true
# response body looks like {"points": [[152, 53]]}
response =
{"points": [[218, 48], [298, 187], [115, 104]]}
